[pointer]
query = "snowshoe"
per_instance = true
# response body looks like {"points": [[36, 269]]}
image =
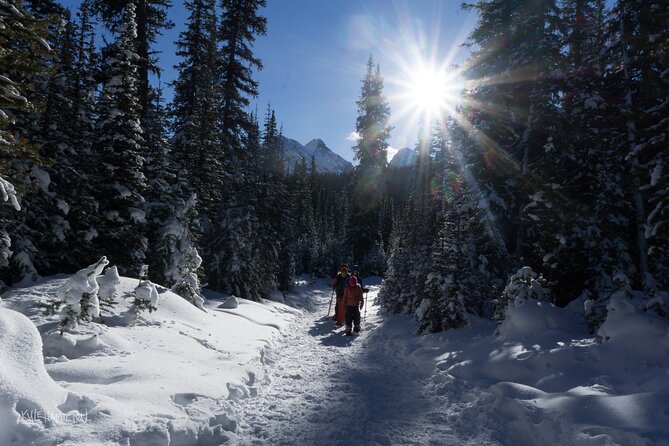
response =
{"points": [[356, 329]]}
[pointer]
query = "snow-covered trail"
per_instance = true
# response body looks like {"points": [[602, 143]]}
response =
{"points": [[329, 389]]}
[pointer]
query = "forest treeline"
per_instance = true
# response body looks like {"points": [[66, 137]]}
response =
{"points": [[549, 181], [102, 166]]}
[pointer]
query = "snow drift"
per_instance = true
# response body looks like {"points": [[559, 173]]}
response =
{"points": [[171, 377]]}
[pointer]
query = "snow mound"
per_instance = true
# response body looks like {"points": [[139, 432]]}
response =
{"points": [[533, 319], [29, 398], [230, 303], [629, 329]]}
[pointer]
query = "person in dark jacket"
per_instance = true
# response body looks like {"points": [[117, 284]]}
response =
{"points": [[339, 283], [353, 301], [357, 275]]}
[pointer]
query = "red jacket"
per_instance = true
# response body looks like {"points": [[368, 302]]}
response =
{"points": [[353, 296]]}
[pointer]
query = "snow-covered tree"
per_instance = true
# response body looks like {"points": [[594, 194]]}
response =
{"points": [[80, 296], [150, 19], [144, 296], [523, 286], [240, 23], [120, 148], [194, 116], [23, 47]]}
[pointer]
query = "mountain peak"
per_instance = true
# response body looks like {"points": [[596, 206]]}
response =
{"points": [[316, 142], [403, 158], [326, 160]]}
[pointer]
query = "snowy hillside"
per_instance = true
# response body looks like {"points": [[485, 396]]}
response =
{"points": [[246, 373], [403, 158], [171, 378], [326, 160]]}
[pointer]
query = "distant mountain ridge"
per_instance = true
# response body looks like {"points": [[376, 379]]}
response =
{"points": [[326, 160], [403, 158]]}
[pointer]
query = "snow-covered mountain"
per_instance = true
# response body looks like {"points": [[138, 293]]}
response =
{"points": [[326, 160], [403, 158]]}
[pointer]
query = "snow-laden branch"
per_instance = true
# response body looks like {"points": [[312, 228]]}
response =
{"points": [[9, 193]]}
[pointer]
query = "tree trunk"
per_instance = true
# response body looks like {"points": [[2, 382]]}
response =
{"points": [[638, 200]]}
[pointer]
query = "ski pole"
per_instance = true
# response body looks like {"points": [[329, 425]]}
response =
{"points": [[331, 297], [364, 318]]}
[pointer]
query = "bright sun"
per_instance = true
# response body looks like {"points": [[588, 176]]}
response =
{"points": [[428, 91]]}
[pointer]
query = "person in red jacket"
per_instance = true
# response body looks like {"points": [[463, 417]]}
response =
{"points": [[353, 302], [339, 283]]}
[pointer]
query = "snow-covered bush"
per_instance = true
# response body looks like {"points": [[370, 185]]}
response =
{"points": [[108, 287], [524, 285], [9, 193], [144, 297], [187, 283], [178, 261], [596, 311], [80, 294]]}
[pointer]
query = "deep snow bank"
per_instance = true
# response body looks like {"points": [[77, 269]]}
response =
{"points": [[540, 378], [30, 401], [173, 377], [29, 398]]}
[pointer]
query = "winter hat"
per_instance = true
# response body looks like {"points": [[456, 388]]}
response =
{"points": [[353, 281]]}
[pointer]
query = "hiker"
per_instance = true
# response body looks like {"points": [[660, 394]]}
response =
{"points": [[354, 302], [356, 273], [339, 284]]}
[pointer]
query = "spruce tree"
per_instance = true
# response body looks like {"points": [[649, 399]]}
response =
{"points": [[120, 146], [639, 96], [150, 19], [371, 152], [232, 249], [83, 89], [23, 62], [194, 118], [240, 24]]}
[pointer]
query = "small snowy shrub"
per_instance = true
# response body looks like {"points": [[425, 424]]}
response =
{"points": [[145, 296], [108, 283], [80, 296], [187, 284], [523, 286], [596, 311]]}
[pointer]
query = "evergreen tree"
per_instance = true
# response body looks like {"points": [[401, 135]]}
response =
{"points": [[54, 133], [23, 63], [194, 119], [171, 214], [232, 250], [240, 24], [641, 40], [371, 151], [150, 19], [304, 225], [120, 145], [520, 119], [82, 204]]}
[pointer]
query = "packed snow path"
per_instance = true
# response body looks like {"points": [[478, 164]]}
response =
{"points": [[329, 389]]}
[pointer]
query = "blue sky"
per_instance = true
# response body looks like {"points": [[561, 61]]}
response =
{"points": [[315, 52]]}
